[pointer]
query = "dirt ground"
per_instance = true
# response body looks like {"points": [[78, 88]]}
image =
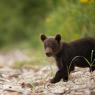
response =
{"points": [[35, 80]]}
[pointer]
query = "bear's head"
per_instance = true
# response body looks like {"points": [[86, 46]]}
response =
{"points": [[51, 44]]}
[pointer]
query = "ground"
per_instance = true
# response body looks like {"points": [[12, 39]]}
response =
{"points": [[35, 81]]}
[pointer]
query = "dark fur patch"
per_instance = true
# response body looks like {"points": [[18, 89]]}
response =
{"points": [[65, 52]]}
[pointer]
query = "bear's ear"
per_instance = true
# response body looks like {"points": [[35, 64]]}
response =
{"points": [[58, 37], [43, 37]]}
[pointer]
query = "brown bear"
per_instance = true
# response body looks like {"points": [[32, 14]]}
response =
{"points": [[65, 53]]}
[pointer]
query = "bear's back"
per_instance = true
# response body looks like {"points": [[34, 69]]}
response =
{"points": [[84, 43]]}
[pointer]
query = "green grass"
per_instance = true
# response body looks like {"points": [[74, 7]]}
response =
{"points": [[90, 63]]}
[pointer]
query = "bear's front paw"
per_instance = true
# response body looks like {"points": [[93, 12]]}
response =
{"points": [[65, 79], [54, 81]]}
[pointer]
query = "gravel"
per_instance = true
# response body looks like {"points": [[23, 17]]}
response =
{"points": [[36, 82]]}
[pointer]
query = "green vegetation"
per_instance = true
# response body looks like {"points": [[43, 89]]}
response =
{"points": [[89, 62], [22, 21]]}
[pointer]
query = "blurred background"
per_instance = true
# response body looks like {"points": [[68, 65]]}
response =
{"points": [[22, 22]]}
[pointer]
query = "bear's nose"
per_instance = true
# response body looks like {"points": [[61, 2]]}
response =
{"points": [[48, 54]]}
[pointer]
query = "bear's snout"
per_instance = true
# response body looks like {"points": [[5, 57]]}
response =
{"points": [[48, 52]]}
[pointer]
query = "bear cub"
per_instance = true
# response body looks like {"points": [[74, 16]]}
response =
{"points": [[64, 53]]}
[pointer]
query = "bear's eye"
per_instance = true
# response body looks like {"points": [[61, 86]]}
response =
{"points": [[53, 46]]}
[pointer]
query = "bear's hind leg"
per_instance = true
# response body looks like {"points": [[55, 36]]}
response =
{"points": [[92, 68]]}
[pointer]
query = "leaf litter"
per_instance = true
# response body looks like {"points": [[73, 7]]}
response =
{"points": [[36, 82]]}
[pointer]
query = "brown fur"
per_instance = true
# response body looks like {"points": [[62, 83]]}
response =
{"points": [[64, 53]]}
